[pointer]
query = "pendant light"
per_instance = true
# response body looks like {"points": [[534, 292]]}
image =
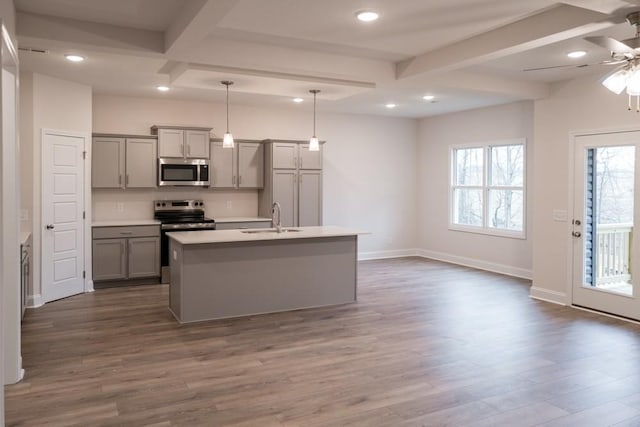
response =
{"points": [[227, 140], [314, 144]]}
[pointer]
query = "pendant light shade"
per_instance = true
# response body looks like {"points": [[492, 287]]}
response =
{"points": [[314, 143], [227, 139]]}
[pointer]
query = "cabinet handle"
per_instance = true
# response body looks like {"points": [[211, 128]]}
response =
{"points": [[126, 232], [182, 150], [295, 161], [239, 179], [120, 179], [126, 180], [188, 150], [233, 180], [300, 162]]}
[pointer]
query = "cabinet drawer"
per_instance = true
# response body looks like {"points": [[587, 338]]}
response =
{"points": [[121, 232]]}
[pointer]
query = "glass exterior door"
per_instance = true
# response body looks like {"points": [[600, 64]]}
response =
{"points": [[604, 244]]}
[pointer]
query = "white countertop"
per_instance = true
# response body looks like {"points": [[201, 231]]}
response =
{"points": [[124, 222], [242, 219], [227, 236]]}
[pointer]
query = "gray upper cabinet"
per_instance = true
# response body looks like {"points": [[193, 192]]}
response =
{"points": [[124, 162], [250, 164], [141, 163], [221, 166], [309, 159], [294, 179], [107, 168], [179, 142], [285, 155], [239, 167]]}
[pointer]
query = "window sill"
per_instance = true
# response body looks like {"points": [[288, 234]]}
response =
{"points": [[519, 235]]}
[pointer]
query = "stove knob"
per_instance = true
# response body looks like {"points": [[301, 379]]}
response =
{"points": [[157, 204], [164, 204]]}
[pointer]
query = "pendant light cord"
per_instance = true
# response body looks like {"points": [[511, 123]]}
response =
{"points": [[227, 108], [314, 114]]}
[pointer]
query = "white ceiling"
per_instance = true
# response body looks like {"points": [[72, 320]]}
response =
{"points": [[468, 53]]}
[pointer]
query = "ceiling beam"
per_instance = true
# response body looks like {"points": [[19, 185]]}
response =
{"points": [[552, 25], [194, 23], [42, 31]]}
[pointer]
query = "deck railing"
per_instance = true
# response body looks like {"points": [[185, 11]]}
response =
{"points": [[613, 252]]}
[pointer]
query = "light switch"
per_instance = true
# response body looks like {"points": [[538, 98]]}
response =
{"points": [[175, 255]]}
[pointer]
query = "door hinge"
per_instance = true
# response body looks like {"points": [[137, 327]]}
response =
{"points": [[84, 154], [84, 274], [84, 214]]}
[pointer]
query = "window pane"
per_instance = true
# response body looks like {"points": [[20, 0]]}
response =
{"points": [[467, 206], [507, 165], [469, 166], [506, 209], [614, 175]]}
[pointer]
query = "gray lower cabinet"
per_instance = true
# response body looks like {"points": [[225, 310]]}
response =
{"points": [[121, 253]]}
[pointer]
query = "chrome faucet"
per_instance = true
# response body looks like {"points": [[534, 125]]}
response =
{"points": [[277, 224]]}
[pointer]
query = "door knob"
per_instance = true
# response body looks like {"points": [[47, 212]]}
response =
{"points": [[576, 234], [50, 227]]}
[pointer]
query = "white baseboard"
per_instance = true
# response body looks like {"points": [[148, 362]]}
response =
{"points": [[398, 253], [548, 295], [35, 301], [476, 263], [89, 286]]}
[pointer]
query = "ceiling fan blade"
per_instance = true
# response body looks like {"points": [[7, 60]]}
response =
{"points": [[558, 66], [622, 61], [610, 44]]}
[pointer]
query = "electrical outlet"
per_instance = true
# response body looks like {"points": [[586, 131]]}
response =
{"points": [[24, 214], [229, 204], [120, 207]]}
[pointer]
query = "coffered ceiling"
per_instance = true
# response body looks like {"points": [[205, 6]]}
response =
{"points": [[467, 53]]}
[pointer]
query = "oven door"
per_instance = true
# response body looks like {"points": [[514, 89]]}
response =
{"points": [[178, 172]]}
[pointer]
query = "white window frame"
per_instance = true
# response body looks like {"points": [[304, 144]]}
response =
{"points": [[485, 229]]}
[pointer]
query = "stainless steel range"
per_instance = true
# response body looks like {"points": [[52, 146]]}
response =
{"points": [[178, 215]]}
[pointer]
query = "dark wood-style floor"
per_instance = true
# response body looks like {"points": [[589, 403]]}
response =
{"points": [[427, 344]]}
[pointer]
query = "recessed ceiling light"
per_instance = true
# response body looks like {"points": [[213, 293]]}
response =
{"points": [[576, 54], [390, 105], [162, 88], [428, 97], [74, 57], [367, 16], [297, 100]]}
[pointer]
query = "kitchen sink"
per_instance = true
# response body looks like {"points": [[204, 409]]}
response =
{"points": [[271, 231]]}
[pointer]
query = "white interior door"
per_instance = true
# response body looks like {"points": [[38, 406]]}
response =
{"points": [[606, 250], [62, 215]]}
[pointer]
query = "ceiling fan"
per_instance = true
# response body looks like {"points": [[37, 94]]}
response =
{"points": [[625, 53]]}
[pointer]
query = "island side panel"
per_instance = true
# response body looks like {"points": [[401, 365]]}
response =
{"points": [[220, 280], [175, 280]]}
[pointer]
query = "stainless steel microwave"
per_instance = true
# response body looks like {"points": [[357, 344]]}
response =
{"points": [[183, 172]]}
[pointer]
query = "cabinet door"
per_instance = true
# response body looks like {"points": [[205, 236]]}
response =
{"points": [[197, 144], [310, 198], [144, 257], [170, 143], [142, 163], [107, 163], [309, 159], [221, 167], [109, 262], [285, 192], [285, 155], [250, 165]]}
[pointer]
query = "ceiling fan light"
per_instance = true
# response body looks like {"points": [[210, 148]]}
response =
{"points": [[617, 81], [633, 83]]}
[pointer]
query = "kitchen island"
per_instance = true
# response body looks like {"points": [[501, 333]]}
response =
{"points": [[218, 274]]}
